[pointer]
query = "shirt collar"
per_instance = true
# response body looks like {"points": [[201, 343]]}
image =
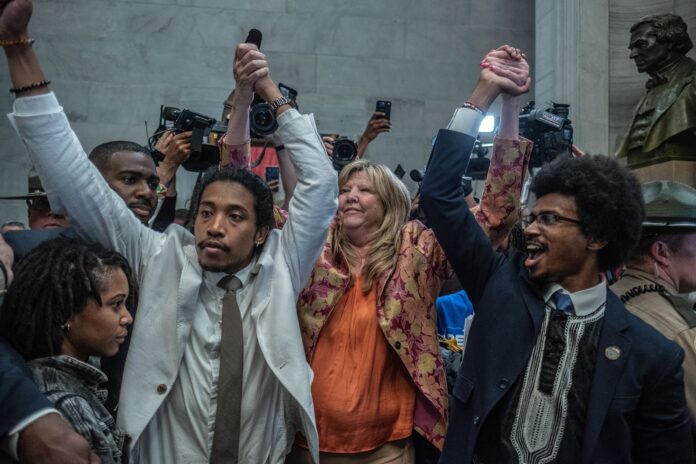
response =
{"points": [[244, 275], [73, 366], [585, 301]]}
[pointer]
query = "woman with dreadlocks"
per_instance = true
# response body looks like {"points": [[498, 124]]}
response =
{"points": [[67, 303]]}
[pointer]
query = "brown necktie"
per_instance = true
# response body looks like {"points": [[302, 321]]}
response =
{"points": [[225, 448]]}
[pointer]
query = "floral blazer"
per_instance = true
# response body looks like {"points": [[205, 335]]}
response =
{"points": [[406, 294]]}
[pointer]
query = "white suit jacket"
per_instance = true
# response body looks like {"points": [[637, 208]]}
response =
{"points": [[166, 265]]}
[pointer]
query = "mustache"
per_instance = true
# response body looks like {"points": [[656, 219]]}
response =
{"points": [[212, 243]]}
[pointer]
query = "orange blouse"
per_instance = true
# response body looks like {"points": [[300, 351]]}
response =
{"points": [[363, 395]]}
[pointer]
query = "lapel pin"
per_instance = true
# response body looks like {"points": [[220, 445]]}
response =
{"points": [[612, 353]]}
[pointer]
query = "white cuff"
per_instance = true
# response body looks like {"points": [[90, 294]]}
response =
{"points": [[35, 105], [466, 120]]}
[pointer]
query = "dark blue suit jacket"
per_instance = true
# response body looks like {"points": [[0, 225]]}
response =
{"points": [[637, 411]]}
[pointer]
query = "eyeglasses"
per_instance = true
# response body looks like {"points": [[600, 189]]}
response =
{"points": [[546, 219]]}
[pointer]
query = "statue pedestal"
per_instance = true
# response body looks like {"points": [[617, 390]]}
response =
{"points": [[677, 171]]}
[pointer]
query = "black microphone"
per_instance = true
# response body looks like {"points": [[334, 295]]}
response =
{"points": [[254, 37], [416, 175]]}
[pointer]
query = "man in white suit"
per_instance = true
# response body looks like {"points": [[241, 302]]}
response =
{"points": [[169, 392]]}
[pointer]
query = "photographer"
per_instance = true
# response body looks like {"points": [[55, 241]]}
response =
{"points": [[377, 124], [175, 149]]}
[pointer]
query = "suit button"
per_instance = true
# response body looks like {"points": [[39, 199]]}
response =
{"points": [[476, 420], [503, 384], [161, 388], [397, 345]]}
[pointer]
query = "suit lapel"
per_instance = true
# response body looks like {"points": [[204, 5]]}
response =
{"points": [[608, 371], [534, 304], [666, 100]]}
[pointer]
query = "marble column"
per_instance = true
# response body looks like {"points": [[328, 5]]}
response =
{"points": [[572, 65]]}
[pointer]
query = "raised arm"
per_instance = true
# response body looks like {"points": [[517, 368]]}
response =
{"points": [[500, 205], [376, 125], [462, 237], [70, 180], [314, 202]]}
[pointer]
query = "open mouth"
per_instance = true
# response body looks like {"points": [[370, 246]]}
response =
{"points": [[535, 252]]}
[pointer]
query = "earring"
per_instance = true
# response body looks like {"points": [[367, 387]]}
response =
{"points": [[65, 327]]}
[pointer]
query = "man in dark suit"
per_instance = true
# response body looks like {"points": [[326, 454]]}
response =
{"points": [[556, 370]]}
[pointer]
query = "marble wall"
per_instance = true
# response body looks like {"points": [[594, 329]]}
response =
{"points": [[113, 63]]}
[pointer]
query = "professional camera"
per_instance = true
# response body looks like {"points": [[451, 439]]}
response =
{"points": [[344, 151], [262, 120], [550, 130], [203, 154]]}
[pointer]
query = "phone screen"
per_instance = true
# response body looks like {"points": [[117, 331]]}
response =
{"points": [[272, 173]]}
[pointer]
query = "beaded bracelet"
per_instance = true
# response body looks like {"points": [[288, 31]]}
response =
{"points": [[471, 106], [35, 85], [9, 43]]}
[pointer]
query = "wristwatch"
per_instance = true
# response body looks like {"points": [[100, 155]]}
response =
{"points": [[278, 102]]}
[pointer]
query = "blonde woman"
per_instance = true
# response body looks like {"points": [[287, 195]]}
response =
{"points": [[368, 314]]}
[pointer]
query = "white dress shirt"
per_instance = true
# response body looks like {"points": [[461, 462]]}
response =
{"points": [[195, 390]]}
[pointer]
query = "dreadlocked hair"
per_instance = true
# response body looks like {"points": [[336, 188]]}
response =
{"points": [[52, 283]]}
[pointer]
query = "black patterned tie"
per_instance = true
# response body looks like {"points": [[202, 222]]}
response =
{"points": [[225, 448]]}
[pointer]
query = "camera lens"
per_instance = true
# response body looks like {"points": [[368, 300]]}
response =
{"points": [[344, 151], [262, 121]]}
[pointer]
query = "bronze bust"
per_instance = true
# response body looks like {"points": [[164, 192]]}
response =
{"points": [[663, 126]]}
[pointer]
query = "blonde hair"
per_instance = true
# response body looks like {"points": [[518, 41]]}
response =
{"points": [[396, 204]]}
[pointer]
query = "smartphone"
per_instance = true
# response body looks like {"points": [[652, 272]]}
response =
{"points": [[287, 92], [272, 173], [384, 106]]}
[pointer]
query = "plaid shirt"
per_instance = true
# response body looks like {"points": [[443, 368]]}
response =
{"points": [[73, 387]]}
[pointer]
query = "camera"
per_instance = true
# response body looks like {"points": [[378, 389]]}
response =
{"points": [[262, 120], [344, 151], [203, 154], [549, 129], [478, 163]]}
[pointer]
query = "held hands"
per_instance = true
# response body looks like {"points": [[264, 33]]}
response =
{"points": [[507, 68], [250, 71], [14, 19]]}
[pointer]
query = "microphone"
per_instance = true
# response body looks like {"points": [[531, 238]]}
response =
{"points": [[254, 37], [416, 175]]}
